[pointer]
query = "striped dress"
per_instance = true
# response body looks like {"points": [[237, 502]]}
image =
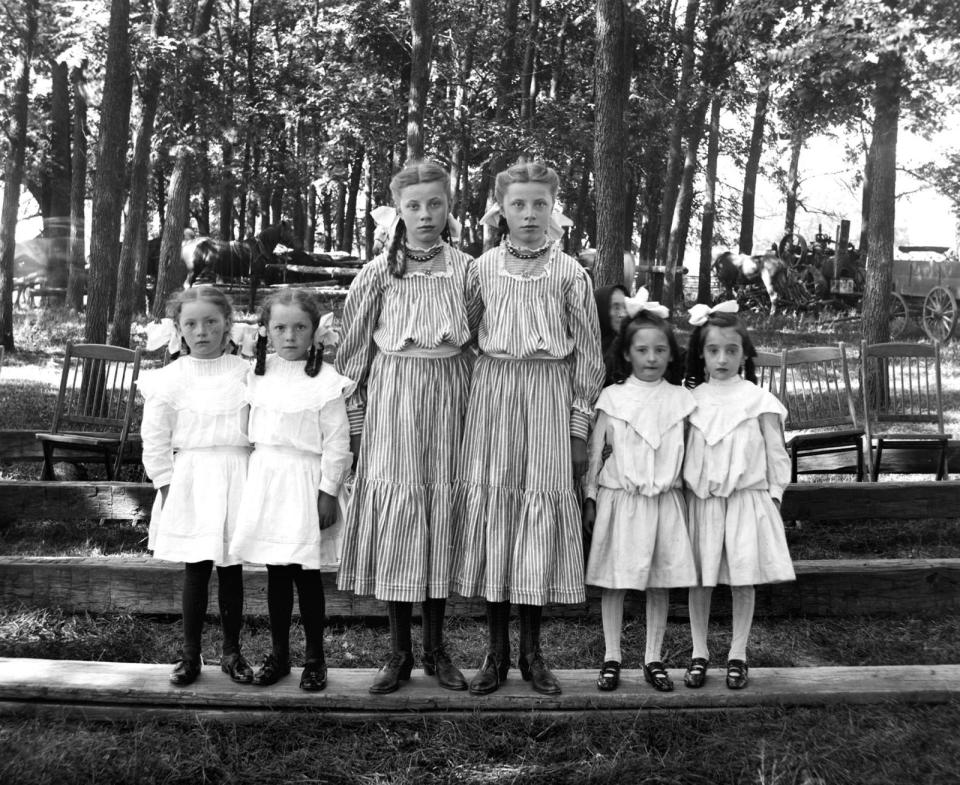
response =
{"points": [[403, 344], [518, 519]]}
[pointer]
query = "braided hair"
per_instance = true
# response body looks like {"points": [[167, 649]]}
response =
{"points": [[195, 294], [415, 171], [307, 303], [696, 370]]}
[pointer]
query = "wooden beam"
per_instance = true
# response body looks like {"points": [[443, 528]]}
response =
{"points": [[30, 500], [130, 690], [829, 588]]}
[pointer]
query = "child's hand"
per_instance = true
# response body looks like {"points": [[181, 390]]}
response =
{"points": [[355, 448], [326, 510], [589, 515], [578, 451]]}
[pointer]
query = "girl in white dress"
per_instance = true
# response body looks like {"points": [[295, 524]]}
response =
{"points": [[301, 437], [736, 468], [634, 501], [195, 451]]}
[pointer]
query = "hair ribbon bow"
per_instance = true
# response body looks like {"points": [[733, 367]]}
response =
{"points": [[387, 219], [641, 302], [700, 312], [163, 333], [555, 228]]}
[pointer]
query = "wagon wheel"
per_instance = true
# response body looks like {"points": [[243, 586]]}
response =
{"points": [[791, 249], [813, 283], [899, 315], [939, 316]]}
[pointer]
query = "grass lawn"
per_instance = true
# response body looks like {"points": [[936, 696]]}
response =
{"points": [[847, 744]]}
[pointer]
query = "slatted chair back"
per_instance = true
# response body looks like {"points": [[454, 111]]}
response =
{"points": [[767, 366], [95, 403], [903, 398], [821, 411]]}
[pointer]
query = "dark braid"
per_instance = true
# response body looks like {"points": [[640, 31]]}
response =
{"points": [[314, 360], [502, 228], [396, 259], [261, 355]]}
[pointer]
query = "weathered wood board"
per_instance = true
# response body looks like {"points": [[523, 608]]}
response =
{"points": [[886, 587], [846, 501], [127, 689]]}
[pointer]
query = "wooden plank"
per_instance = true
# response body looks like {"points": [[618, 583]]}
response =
{"points": [[28, 500], [883, 587], [848, 501], [129, 687]]}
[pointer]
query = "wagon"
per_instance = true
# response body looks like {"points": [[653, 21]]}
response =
{"points": [[926, 279]]}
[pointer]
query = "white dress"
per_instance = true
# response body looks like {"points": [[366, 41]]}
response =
{"points": [[736, 464], [195, 440], [301, 437], [640, 535]]}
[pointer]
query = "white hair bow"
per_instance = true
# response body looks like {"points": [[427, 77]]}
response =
{"points": [[700, 312], [387, 219], [558, 221], [641, 302], [325, 334], [163, 333]]}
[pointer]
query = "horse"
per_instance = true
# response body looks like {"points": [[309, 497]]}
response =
{"points": [[740, 271]]}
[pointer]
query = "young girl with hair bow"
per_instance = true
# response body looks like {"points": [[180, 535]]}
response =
{"points": [[735, 470]]}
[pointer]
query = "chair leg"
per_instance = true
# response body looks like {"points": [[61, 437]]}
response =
{"points": [[47, 471], [793, 463], [942, 463], [108, 464], [859, 461], [876, 460]]}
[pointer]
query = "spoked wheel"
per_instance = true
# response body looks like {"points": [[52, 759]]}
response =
{"points": [[939, 316], [791, 249], [899, 315]]}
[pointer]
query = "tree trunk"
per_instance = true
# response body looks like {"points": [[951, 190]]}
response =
{"points": [[580, 221], [752, 168], [367, 218], [131, 275], [867, 195], [556, 73], [793, 178], [57, 222], [310, 232], [611, 81], [227, 186], [109, 178], [709, 205], [77, 276], [876, 294], [350, 214], [13, 172], [528, 81], [171, 271], [421, 42], [326, 213]]}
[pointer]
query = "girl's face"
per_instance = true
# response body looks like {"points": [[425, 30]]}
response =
{"points": [[204, 328], [290, 331], [527, 208], [423, 210], [618, 310], [649, 354], [722, 352]]}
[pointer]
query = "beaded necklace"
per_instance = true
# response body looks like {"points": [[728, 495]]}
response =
{"points": [[526, 253], [421, 256]]}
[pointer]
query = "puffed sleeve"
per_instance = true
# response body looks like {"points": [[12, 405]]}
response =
{"points": [[598, 439], [361, 314], [587, 360], [156, 430], [337, 459], [778, 462]]}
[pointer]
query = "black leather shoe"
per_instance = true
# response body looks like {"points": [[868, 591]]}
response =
{"points": [[237, 668], [437, 663], [392, 672], [314, 676], [609, 678], [271, 671], [655, 674], [492, 673], [535, 670], [185, 672], [737, 674], [696, 673]]}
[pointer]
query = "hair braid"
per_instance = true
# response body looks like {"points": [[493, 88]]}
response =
{"points": [[314, 360], [261, 354], [396, 258]]}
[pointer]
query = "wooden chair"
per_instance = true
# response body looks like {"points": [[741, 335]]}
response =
{"points": [[901, 385], [94, 407], [767, 366], [815, 388]]}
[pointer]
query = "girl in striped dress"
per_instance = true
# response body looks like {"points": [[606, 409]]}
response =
{"points": [[301, 457], [735, 469], [406, 323], [518, 520], [195, 452]]}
